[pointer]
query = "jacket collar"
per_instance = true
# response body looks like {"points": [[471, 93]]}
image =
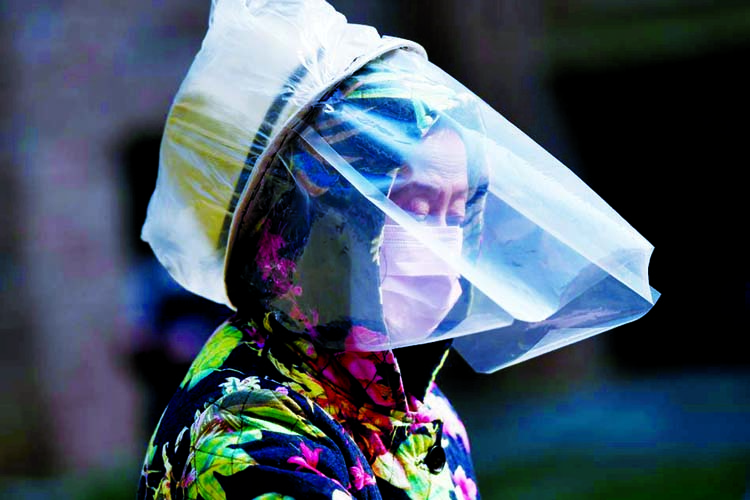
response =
{"points": [[383, 381]]}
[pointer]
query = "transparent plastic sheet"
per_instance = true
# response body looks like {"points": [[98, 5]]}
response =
{"points": [[552, 263], [364, 197], [260, 64]]}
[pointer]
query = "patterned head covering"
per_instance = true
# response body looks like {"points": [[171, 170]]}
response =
{"points": [[308, 240], [230, 115]]}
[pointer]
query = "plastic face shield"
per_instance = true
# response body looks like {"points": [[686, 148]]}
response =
{"points": [[486, 237]]}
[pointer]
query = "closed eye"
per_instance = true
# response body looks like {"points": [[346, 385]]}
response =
{"points": [[454, 220]]}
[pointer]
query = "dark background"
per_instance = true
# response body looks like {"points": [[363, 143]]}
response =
{"points": [[643, 100]]}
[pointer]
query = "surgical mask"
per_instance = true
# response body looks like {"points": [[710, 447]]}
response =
{"points": [[418, 288]]}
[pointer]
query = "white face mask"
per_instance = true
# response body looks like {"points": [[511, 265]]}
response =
{"points": [[418, 288]]}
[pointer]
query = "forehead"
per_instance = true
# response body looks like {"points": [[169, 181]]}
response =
{"points": [[441, 155]]}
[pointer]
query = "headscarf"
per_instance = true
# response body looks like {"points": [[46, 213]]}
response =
{"points": [[308, 241]]}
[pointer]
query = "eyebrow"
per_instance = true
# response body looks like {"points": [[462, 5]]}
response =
{"points": [[431, 189]]}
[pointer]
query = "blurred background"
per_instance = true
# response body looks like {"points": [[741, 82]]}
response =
{"points": [[641, 99]]}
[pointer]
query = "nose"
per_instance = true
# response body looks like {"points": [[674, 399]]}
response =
{"points": [[439, 211]]}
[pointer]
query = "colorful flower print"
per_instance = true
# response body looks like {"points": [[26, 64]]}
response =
{"points": [[466, 488], [308, 460], [360, 477], [439, 408], [212, 356], [293, 419]]}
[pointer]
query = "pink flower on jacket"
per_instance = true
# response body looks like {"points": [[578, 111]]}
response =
{"points": [[258, 338], [308, 460], [464, 485], [364, 367], [358, 365], [361, 477], [420, 413]]}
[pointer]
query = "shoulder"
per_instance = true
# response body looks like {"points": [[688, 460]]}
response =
{"points": [[238, 433]]}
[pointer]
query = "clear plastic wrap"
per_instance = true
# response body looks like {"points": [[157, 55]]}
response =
{"points": [[260, 64], [364, 197]]}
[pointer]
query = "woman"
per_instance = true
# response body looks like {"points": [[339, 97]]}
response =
{"points": [[337, 190], [267, 409]]}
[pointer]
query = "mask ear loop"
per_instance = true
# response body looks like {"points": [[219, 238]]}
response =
{"points": [[382, 274], [382, 262]]}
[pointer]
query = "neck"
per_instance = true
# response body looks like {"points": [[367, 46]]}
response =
{"points": [[419, 366]]}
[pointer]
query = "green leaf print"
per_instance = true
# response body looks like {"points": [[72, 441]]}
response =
{"points": [[240, 417], [267, 410], [215, 448], [405, 469], [212, 356], [164, 489], [273, 496], [151, 450], [389, 468]]}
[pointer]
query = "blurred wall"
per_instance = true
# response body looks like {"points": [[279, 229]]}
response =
{"points": [[83, 75], [19, 402]]}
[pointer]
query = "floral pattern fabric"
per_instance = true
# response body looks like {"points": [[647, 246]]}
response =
{"points": [[266, 414]]}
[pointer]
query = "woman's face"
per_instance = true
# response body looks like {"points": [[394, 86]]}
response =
{"points": [[418, 287], [433, 185]]}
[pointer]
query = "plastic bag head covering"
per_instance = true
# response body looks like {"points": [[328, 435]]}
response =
{"points": [[261, 64], [306, 177]]}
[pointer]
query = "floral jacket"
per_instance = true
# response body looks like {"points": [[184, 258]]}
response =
{"points": [[274, 416]]}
